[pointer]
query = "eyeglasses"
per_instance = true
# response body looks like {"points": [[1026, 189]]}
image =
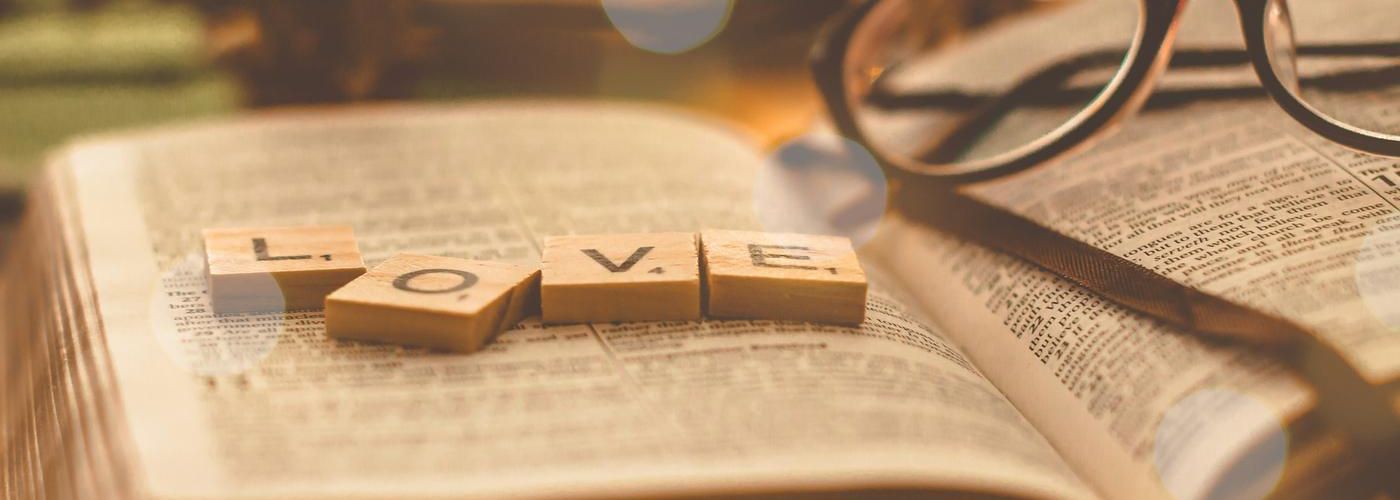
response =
{"points": [[1017, 90]]}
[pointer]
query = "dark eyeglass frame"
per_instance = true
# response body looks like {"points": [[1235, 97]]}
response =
{"points": [[1145, 61]]}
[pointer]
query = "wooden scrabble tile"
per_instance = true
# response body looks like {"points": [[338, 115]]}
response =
{"points": [[620, 277], [438, 302], [278, 268], [782, 276]]}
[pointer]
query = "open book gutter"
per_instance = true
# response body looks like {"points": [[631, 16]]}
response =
{"points": [[1347, 400]]}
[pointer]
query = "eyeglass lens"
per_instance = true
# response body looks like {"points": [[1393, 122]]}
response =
{"points": [[955, 81], [1340, 57]]}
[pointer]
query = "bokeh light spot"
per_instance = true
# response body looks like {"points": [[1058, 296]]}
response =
{"points": [[1220, 443], [207, 344], [1378, 272], [668, 26], [821, 183]]}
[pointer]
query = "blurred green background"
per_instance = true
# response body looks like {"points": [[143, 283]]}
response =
{"points": [[67, 72], [75, 67]]}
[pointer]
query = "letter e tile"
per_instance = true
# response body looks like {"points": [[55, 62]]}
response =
{"points": [[782, 276]]}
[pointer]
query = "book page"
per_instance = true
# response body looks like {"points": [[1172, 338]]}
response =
{"points": [[1237, 199], [1265, 214], [1226, 195], [1098, 379], [266, 405]]}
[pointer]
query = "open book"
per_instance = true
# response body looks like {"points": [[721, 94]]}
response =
{"points": [[973, 372], [1214, 211]]}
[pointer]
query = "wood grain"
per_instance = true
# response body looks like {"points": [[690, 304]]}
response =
{"points": [[274, 269], [621, 277], [782, 276], [438, 302]]}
